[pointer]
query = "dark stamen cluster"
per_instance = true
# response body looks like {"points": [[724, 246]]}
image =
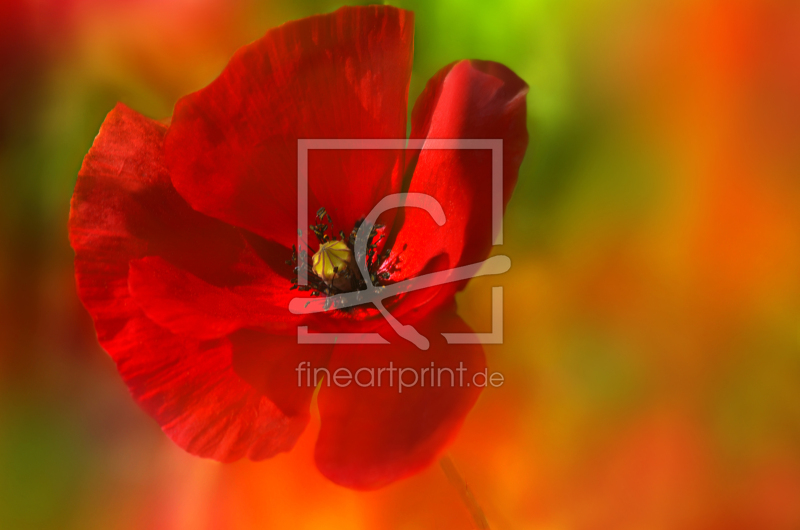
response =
{"points": [[349, 279]]}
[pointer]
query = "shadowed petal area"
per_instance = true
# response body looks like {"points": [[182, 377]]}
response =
{"points": [[465, 100], [124, 208], [185, 304], [371, 435], [232, 146], [275, 365]]}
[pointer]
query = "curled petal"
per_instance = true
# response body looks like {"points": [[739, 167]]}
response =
{"points": [[466, 100]]}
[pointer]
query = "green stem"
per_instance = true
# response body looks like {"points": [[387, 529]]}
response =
{"points": [[458, 482]]}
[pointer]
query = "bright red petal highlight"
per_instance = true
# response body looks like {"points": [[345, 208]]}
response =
{"points": [[370, 435], [232, 147]]}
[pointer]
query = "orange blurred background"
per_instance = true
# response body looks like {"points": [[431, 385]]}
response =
{"points": [[652, 312]]}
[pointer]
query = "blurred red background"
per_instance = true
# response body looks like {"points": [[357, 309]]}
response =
{"points": [[652, 312]]}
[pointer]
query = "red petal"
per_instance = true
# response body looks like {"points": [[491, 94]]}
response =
{"points": [[124, 208], [185, 304], [371, 435], [191, 389], [466, 100], [232, 147], [271, 364]]}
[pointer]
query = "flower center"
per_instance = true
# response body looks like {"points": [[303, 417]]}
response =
{"points": [[331, 258], [332, 269]]}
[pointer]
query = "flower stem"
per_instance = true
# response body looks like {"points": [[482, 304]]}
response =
{"points": [[458, 482]]}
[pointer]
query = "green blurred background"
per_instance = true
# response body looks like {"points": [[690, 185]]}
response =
{"points": [[652, 323]]}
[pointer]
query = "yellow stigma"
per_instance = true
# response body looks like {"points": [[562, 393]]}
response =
{"points": [[331, 255]]}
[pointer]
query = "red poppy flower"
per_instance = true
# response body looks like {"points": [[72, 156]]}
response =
{"points": [[182, 234]]}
